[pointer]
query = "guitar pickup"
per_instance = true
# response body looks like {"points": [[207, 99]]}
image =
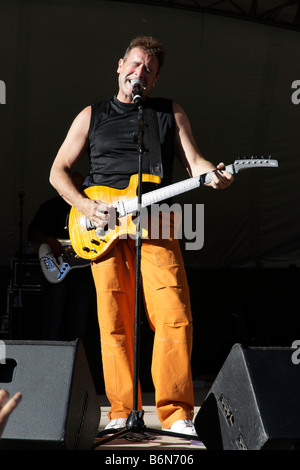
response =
{"points": [[120, 209], [89, 225]]}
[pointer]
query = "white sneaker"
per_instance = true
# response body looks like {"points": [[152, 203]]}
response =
{"points": [[183, 426], [116, 423]]}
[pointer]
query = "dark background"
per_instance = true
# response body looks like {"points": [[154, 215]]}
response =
{"points": [[233, 75]]}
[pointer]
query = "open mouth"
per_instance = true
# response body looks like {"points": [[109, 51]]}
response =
{"points": [[130, 79]]}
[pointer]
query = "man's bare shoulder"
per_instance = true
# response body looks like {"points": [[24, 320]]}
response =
{"points": [[82, 121], [85, 114]]}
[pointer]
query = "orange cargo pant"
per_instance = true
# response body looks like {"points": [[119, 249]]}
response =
{"points": [[167, 303]]}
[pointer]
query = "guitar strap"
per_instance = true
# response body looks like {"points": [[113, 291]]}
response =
{"points": [[156, 167]]}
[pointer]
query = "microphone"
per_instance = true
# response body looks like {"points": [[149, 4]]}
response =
{"points": [[137, 91]]}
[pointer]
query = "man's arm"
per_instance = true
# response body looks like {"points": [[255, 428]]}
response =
{"points": [[190, 156], [69, 154]]}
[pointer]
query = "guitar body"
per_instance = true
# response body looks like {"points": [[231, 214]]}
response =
{"points": [[89, 243], [55, 268]]}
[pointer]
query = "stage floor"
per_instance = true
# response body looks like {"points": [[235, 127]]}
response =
{"points": [[161, 442]]}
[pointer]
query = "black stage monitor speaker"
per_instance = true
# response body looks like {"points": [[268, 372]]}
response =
{"points": [[59, 408], [254, 402]]}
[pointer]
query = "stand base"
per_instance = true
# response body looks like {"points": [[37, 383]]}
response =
{"points": [[136, 431]]}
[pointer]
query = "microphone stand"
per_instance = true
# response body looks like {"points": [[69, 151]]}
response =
{"points": [[135, 429], [19, 274], [135, 416]]}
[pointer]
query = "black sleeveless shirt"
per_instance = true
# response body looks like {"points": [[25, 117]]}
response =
{"points": [[113, 148]]}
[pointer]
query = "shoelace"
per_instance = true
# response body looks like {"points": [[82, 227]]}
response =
{"points": [[188, 423]]}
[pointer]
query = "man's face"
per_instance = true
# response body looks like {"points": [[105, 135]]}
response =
{"points": [[137, 65]]}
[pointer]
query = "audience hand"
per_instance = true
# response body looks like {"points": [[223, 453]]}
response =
{"points": [[7, 408]]}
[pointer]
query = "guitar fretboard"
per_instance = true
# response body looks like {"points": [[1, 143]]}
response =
{"points": [[127, 206], [153, 197]]}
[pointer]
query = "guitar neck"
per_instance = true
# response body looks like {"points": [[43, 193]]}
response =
{"points": [[161, 194], [131, 205]]}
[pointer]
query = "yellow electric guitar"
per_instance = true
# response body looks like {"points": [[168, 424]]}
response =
{"points": [[90, 242]]}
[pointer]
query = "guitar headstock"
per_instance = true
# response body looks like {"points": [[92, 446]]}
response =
{"points": [[243, 163]]}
